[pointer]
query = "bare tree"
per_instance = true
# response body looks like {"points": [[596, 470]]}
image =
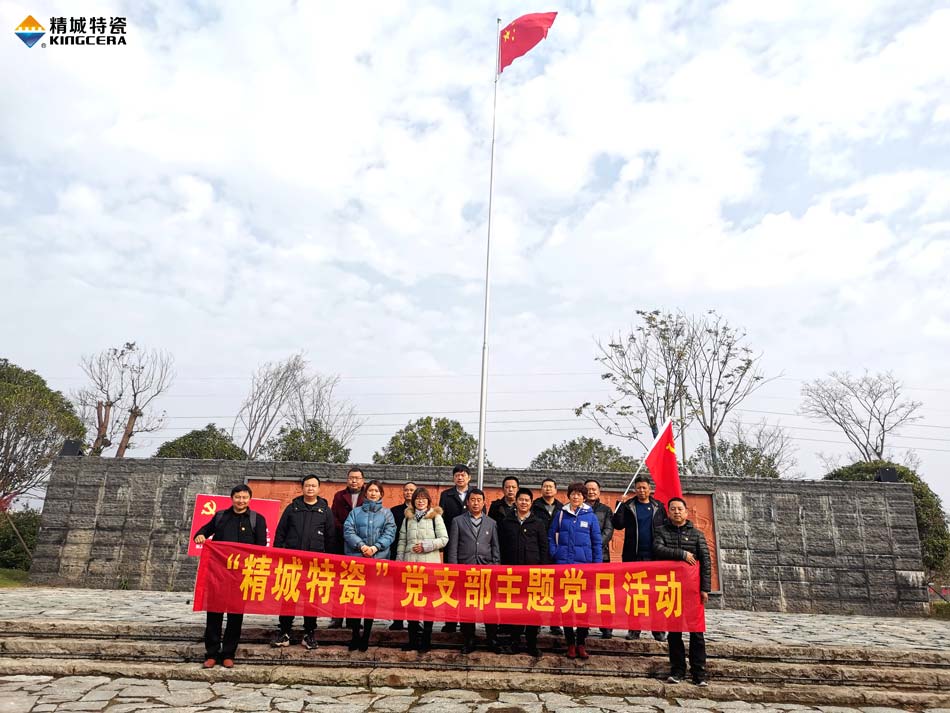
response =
{"points": [[314, 402], [273, 386], [772, 440], [647, 370], [124, 382], [866, 408], [721, 372]]}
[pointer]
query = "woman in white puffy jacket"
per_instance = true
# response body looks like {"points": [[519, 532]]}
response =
{"points": [[421, 539]]}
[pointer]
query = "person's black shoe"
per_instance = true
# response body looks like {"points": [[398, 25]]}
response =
{"points": [[396, 626], [469, 646], [633, 635], [606, 633], [449, 627], [280, 640], [659, 635], [309, 641], [354, 642], [411, 645]]}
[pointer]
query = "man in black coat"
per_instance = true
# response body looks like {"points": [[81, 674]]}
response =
{"points": [[505, 505], [604, 517], [454, 502], [524, 541], [236, 524], [639, 518], [680, 541], [306, 524], [545, 507]]}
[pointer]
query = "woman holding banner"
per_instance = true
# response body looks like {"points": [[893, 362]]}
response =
{"points": [[574, 538], [368, 531], [421, 539]]}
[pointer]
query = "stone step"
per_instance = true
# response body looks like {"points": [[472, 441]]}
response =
{"points": [[646, 646], [476, 679], [649, 662]]}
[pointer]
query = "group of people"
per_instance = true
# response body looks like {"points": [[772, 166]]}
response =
{"points": [[517, 529]]}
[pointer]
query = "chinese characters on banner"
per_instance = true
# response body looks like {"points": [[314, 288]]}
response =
{"points": [[207, 505], [645, 596]]}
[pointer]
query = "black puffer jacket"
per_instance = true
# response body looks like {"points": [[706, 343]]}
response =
{"points": [[626, 519], [306, 527], [227, 526], [672, 543], [523, 542]]}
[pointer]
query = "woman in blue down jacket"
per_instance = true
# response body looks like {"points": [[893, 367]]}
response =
{"points": [[368, 531], [574, 538]]}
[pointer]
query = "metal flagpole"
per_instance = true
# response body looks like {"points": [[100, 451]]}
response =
{"points": [[483, 401]]}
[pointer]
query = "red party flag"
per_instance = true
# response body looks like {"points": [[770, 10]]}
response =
{"points": [[521, 35], [661, 461]]}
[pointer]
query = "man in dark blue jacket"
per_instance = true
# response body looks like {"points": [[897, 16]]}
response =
{"points": [[306, 524], [236, 524], [639, 518]]}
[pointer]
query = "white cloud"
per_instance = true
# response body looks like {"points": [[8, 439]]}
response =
{"points": [[236, 195]]}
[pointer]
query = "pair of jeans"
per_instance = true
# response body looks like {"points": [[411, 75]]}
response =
{"points": [[697, 655], [214, 646]]}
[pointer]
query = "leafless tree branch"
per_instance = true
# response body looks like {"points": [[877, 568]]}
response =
{"points": [[867, 409]]}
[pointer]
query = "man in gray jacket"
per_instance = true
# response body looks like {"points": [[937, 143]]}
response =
{"points": [[473, 539]]}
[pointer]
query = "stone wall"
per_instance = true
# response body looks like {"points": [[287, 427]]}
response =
{"points": [[833, 547]]}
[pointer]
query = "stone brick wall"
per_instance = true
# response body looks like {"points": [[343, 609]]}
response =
{"points": [[831, 547]]}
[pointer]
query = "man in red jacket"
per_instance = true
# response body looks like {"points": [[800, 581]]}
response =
{"points": [[344, 501]]}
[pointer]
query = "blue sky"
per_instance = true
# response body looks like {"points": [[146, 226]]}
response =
{"points": [[247, 180]]}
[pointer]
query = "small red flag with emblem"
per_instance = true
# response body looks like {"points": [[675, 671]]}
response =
{"points": [[661, 461], [521, 35]]}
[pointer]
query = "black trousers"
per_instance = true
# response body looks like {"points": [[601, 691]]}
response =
{"points": [[468, 631], [287, 623], [578, 636], [697, 655], [420, 627], [530, 633], [214, 647]]}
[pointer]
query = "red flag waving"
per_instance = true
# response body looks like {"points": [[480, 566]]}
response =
{"points": [[521, 35], [661, 460]]}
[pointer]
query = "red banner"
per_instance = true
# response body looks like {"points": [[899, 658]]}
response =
{"points": [[207, 505], [642, 596]]}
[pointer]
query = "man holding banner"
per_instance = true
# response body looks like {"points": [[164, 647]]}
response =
{"points": [[679, 540], [236, 524], [306, 524]]}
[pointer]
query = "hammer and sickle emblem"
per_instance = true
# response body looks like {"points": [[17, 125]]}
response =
{"points": [[209, 508], [670, 448]]}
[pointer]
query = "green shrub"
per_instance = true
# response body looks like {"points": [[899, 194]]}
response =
{"points": [[12, 555]]}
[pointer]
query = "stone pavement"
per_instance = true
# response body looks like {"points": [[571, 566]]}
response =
{"points": [[723, 626], [47, 694]]}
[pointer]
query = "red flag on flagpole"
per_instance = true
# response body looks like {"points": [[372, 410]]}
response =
{"points": [[521, 35], [661, 461]]}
